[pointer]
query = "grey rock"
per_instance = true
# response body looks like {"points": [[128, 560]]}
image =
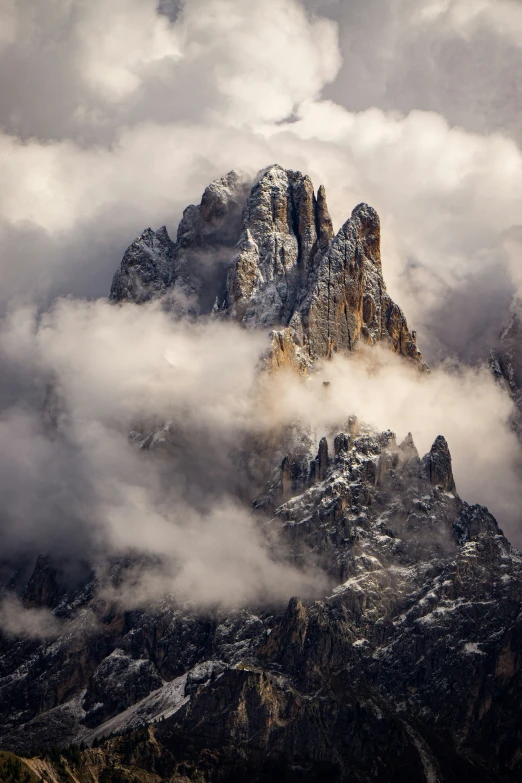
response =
{"points": [[290, 271], [276, 250], [438, 465], [189, 273], [146, 270], [319, 466]]}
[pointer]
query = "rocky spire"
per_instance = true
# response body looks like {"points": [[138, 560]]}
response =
{"points": [[319, 466], [347, 301], [290, 271], [324, 221], [267, 257], [146, 270], [437, 465], [276, 250]]}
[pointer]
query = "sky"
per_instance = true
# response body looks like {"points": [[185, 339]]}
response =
{"points": [[116, 114]]}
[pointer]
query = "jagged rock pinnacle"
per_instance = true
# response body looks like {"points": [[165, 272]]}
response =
{"points": [[438, 465], [266, 256]]}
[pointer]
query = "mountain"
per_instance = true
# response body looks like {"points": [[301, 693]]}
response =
{"points": [[277, 266], [406, 665]]}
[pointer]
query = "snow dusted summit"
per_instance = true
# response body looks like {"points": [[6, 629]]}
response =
{"points": [[267, 257]]}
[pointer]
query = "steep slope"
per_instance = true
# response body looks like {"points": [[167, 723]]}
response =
{"points": [[409, 669]]}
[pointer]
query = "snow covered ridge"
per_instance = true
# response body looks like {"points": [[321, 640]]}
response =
{"points": [[266, 257]]}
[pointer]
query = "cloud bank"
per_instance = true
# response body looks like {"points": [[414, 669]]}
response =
{"points": [[76, 483]]}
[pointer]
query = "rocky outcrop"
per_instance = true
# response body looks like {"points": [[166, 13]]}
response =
{"points": [[438, 465], [146, 271], [290, 270], [319, 466], [118, 682], [268, 259], [190, 273], [277, 249], [347, 301], [44, 588]]}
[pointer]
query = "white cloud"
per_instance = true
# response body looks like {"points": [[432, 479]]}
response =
{"points": [[115, 368], [120, 43], [468, 17], [17, 620], [85, 489], [447, 197]]}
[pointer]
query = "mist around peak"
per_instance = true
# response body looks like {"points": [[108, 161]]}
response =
{"points": [[134, 129]]}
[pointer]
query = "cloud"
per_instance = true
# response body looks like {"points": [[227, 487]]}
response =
{"points": [[464, 404], [220, 558], [74, 483], [191, 397], [17, 620], [210, 88], [448, 241], [459, 58], [225, 59]]}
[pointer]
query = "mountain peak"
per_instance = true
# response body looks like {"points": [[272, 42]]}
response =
{"points": [[265, 255], [438, 465]]}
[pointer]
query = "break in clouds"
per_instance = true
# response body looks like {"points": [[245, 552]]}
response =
{"points": [[115, 116]]}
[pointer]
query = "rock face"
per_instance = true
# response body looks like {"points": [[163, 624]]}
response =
{"points": [[147, 268], [278, 250], [438, 465], [347, 300], [271, 260]]}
